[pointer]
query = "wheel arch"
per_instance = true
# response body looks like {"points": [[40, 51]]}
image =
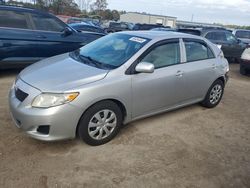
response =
{"points": [[116, 101], [223, 79]]}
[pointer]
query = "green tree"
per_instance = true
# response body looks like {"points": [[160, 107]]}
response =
{"points": [[115, 15], [100, 5], [66, 7], [106, 14]]}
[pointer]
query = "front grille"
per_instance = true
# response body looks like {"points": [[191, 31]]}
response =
{"points": [[20, 95]]}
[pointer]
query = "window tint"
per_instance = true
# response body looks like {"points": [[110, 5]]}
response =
{"points": [[219, 36], [89, 28], [114, 24], [231, 38], [124, 26], [13, 19], [164, 55], [47, 23], [243, 34], [197, 51]]}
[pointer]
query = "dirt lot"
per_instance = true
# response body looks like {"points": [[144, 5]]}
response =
{"points": [[190, 147]]}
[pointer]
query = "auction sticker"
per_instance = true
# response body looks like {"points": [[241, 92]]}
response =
{"points": [[137, 39]]}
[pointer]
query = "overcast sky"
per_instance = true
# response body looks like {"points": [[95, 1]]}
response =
{"points": [[210, 11]]}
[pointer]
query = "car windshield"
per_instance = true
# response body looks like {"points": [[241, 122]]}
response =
{"points": [[111, 51]]}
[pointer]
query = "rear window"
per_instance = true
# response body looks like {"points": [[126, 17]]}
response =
{"points": [[113, 24], [218, 36], [13, 19], [243, 34]]}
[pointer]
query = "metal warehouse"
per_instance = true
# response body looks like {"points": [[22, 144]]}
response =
{"points": [[135, 17]]}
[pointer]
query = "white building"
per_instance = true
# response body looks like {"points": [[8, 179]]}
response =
{"points": [[134, 17]]}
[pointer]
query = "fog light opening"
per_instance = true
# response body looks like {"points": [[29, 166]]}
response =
{"points": [[43, 129]]}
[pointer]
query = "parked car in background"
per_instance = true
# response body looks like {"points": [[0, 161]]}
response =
{"points": [[139, 26], [230, 45], [163, 29], [119, 26], [28, 35], [245, 62], [243, 35], [87, 27], [116, 79]]}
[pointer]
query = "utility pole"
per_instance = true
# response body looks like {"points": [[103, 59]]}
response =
{"points": [[192, 18]]}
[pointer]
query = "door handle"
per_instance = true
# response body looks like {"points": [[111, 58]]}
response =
{"points": [[179, 73]]}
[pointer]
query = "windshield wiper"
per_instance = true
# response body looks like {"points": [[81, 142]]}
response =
{"points": [[91, 61], [96, 63]]}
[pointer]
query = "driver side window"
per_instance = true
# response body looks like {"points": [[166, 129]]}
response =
{"points": [[231, 38], [47, 23], [164, 55]]}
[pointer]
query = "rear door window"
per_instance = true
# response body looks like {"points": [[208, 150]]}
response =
{"points": [[196, 51], [12, 19]]}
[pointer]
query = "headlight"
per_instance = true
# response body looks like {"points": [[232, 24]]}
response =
{"points": [[46, 100], [246, 54]]}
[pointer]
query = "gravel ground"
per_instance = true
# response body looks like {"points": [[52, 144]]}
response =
{"points": [[190, 147]]}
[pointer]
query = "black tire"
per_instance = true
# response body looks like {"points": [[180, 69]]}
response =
{"points": [[207, 101], [243, 70], [83, 126]]}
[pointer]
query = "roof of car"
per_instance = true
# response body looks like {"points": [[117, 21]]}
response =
{"points": [[23, 9], [160, 34], [82, 24], [241, 30], [206, 31]]}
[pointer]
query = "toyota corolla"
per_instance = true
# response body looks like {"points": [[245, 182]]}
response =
{"points": [[114, 80]]}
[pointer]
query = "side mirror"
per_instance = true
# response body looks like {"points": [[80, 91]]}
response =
{"points": [[145, 67], [67, 31]]}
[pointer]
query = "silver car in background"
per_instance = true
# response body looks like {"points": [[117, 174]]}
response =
{"points": [[114, 80]]}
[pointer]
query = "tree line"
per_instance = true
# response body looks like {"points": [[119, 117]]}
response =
{"points": [[71, 8]]}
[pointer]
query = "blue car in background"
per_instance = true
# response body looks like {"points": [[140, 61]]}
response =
{"points": [[28, 35], [87, 27]]}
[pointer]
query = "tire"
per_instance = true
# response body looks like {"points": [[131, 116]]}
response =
{"points": [[214, 95], [100, 123], [242, 70]]}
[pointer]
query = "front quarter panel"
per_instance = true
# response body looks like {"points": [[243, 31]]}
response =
{"points": [[115, 86]]}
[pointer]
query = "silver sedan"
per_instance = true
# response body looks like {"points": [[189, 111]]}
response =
{"points": [[114, 80]]}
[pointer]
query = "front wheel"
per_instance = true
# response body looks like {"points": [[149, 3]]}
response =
{"points": [[214, 95], [100, 123]]}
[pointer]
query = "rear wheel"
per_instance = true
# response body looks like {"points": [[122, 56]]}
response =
{"points": [[100, 123], [214, 94]]}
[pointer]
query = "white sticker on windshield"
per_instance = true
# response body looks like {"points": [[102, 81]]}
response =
{"points": [[137, 39]]}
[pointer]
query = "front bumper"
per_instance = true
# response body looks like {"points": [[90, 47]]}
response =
{"points": [[61, 120]]}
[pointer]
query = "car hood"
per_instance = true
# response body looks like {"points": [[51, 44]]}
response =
{"points": [[60, 73]]}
